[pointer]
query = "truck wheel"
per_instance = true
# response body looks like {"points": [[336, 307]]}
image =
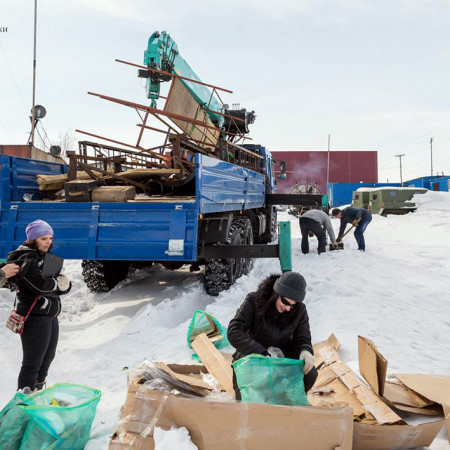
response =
{"points": [[247, 233], [220, 274], [102, 276]]}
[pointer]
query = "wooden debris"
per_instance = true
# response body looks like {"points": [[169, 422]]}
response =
{"points": [[214, 362], [113, 193]]}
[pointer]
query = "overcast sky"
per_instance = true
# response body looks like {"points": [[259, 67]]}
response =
{"points": [[375, 75]]}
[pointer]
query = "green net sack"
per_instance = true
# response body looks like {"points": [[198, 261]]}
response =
{"points": [[276, 381], [58, 417], [202, 322]]}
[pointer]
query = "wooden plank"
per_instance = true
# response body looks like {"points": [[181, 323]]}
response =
{"points": [[214, 362], [144, 173], [181, 102], [163, 199], [113, 194]]}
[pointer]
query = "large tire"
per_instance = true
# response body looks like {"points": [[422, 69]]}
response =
{"points": [[102, 276], [220, 274], [247, 234]]}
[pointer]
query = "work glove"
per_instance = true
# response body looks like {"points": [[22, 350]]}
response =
{"points": [[309, 361], [339, 239], [310, 234], [63, 282], [275, 352], [334, 245], [355, 223]]}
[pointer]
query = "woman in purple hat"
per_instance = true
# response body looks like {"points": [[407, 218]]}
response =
{"points": [[41, 330]]}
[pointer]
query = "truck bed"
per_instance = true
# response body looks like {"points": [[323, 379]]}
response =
{"points": [[140, 231]]}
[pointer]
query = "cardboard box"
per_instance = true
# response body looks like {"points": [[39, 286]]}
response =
{"points": [[338, 397], [226, 425], [412, 393]]}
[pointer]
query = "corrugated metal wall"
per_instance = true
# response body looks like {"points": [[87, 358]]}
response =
{"points": [[311, 168]]}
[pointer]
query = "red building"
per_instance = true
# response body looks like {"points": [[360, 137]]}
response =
{"points": [[311, 168]]}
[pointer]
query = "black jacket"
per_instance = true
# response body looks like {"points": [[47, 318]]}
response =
{"points": [[350, 214], [30, 283], [258, 325]]}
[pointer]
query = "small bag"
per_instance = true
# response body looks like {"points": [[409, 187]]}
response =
{"points": [[16, 322]]}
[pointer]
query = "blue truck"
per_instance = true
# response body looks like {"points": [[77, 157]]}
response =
{"points": [[229, 207]]}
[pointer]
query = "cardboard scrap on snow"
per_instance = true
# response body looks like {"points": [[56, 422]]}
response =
{"points": [[213, 360], [227, 425], [338, 396], [372, 364], [420, 394]]}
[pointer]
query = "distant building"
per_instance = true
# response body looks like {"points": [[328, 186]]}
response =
{"points": [[311, 168]]}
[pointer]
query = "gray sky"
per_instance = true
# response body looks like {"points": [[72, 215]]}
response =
{"points": [[375, 75]]}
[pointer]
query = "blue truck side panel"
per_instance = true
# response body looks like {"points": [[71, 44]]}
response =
{"points": [[222, 186], [122, 231], [106, 231], [18, 177]]}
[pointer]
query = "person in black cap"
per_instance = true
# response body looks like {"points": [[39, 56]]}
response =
{"points": [[273, 322]]}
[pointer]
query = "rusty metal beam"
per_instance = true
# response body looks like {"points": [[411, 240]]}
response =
{"points": [[173, 75], [156, 155]]}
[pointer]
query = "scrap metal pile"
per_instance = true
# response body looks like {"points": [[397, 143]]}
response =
{"points": [[193, 120]]}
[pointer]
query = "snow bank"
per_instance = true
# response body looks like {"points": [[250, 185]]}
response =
{"points": [[438, 201]]}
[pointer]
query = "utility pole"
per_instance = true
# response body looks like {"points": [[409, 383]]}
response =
{"points": [[431, 149], [400, 157], [328, 163], [33, 113]]}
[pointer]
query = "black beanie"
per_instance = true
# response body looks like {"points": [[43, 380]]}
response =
{"points": [[291, 285]]}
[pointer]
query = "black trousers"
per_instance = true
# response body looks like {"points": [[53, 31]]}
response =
{"points": [[39, 341], [307, 224], [309, 380]]}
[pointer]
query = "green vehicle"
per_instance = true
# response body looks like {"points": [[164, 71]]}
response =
{"points": [[393, 200], [360, 198]]}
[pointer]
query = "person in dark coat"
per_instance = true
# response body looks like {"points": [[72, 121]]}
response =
{"points": [[359, 218], [274, 316], [41, 329]]}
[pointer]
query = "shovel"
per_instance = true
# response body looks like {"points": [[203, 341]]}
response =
{"points": [[340, 245]]}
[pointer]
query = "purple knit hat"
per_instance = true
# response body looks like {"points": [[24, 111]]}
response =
{"points": [[37, 229]]}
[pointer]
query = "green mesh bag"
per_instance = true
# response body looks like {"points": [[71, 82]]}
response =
{"points": [[202, 322], [277, 381], [57, 417]]}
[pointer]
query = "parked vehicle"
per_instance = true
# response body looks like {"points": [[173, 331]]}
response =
{"points": [[393, 200], [360, 198]]}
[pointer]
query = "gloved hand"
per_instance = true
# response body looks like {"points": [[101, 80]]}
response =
{"points": [[334, 245], [275, 352], [309, 361], [339, 239], [355, 223], [63, 282]]}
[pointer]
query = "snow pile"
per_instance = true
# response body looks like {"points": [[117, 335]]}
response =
{"points": [[175, 438], [437, 201], [396, 293]]}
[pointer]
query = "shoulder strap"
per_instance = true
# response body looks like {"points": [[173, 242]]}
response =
{"points": [[32, 306]]}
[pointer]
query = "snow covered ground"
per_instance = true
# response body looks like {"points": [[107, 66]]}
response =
{"points": [[396, 293]]}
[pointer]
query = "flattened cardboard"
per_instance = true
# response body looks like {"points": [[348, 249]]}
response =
{"points": [[325, 352], [372, 364], [193, 381], [215, 363], [433, 387], [228, 425], [373, 437], [399, 394]]}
